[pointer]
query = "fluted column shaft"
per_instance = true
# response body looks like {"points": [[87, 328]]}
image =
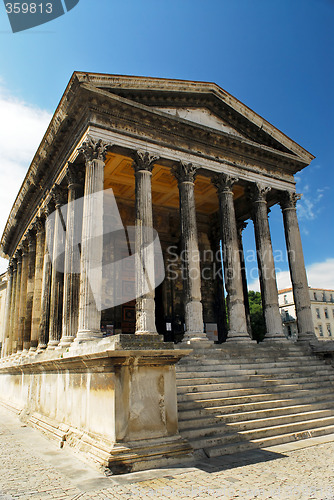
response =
{"points": [[231, 259], [57, 275], [12, 309], [145, 304], [23, 296], [71, 274], [297, 267], [89, 323], [38, 283], [43, 328], [240, 227], [30, 291], [8, 304], [266, 264], [186, 174], [16, 312]]}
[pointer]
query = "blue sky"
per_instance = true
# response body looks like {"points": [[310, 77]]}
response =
{"points": [[275, 56]]}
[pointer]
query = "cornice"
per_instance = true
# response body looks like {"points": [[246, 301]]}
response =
{"points": [[124, 113], [161, 89]]}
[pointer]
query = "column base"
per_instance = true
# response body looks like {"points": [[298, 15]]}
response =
{"points": [[66, 341], [33, 346], [41, 348], [52, 344], [196, 339], [87, 335], [275, 337], [146, 333], [307, 337], [239, 337]]}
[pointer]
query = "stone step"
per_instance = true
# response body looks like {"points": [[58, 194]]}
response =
{"points": [[219, 450], [253, 381], [248, 396], [198, 380], [316, 401], [207, 370], [280, 389], [251, 425], [206, 418], [227, 364], [228, 435]]}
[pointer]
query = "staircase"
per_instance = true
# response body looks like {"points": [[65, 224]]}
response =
{"points": [[237, 397]]}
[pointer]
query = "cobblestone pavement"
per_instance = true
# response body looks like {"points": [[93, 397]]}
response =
{"points": [[34, 468]]}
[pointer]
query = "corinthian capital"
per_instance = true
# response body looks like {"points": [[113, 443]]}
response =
{"points": [[185, 172], [58, 195], [94, 149], [74, 174], [224, 182], [258, 192], [289, 199], [144, 161], [39, 224]]}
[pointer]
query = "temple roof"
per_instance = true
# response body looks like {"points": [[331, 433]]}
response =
{"points": [[197, 113]]}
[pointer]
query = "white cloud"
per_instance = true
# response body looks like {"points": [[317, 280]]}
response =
{"points": [[319, 275], [309, 207], [22, 127]]}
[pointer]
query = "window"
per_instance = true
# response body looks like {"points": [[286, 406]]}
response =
{"points": [[329, 331], [315, 296], [333, 313], [326, 313], [323, 297], [331, 298], [317, 312], [321, 333], [285, 299]]}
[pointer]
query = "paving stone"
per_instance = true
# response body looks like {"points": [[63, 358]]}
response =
{"points": [[34, 468]]}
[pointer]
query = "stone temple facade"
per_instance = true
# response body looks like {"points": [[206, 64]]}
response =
{"points": [[187, 159]]}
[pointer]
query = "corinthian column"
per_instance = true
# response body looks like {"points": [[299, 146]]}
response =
{"points": [[6, 324], [16, 312], [44, 323], [12, 309], [72, 259], [92, 240], [265, 258], [145, 305], [23, 295], [297, 267], [38, 282], [186, 174], [231, 258], [30, 290], [57, 277], [240, 227]]}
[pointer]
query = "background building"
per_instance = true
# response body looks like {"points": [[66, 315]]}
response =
{"points": [[322, 307]]}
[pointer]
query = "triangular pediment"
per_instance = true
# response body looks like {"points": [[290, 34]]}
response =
{"points": [[202, 103], [202, 116]]}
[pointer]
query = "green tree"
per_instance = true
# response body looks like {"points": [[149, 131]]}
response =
{"points": [[256, 315]]}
